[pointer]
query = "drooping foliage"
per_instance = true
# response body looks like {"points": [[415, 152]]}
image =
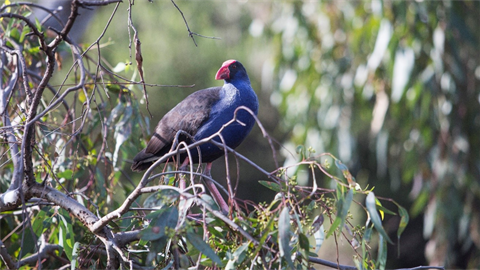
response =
{"points": [[392, 88]]}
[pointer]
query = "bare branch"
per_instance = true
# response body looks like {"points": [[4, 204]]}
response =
{"points": [[98, 3], [190, 33], [45, 251]]}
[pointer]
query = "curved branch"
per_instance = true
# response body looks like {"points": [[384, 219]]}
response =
{"points": [[58, 198], [32, 26]]}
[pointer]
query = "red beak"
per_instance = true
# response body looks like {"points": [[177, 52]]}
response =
{"points": [[224, 73]]}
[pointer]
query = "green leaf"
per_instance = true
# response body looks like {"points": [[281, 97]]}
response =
{"points": [[203, 247], [100, 182], [25, 31], [284, 236], [67, 174], [403, 220], [403, 223], [38, 223], [161, 198], [334, 226], [375, 217], [240, 253], [266, 232], [74, 262], [210, 201], [343, 205], [346, 205], [271, 185], [66, 235], [385, 210], [303, 241], [382, 253], [167, 218]]}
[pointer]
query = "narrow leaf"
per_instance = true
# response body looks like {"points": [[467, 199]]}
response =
{"points": [[343, 205], [403, 224], [271, 185], [334, 226], [382, 253], [375, 217], [303, 241], [203, 247], [74, 262], [319, 237], [340, 165], [240, 253], [403, 220], [284, 236], [66, 235]]}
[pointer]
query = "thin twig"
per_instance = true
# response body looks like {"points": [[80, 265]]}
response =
{"points": [[190, 33]]}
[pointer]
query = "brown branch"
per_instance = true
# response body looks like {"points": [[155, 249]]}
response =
{"points": [[49, 11], [98, 3], [45, 251], [32, 26], [7, 259]]}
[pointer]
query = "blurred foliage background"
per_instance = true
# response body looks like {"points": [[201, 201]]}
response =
{"points": [[389, 87]]}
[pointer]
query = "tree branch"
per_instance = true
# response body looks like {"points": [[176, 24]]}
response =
{"points": [[7, 259]]}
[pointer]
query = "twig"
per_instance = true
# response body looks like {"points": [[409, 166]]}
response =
{"points": [[190, 33], [331, 264], [138, 53]]}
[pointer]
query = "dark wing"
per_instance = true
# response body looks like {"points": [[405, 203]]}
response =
{"points": [[188, 116]]}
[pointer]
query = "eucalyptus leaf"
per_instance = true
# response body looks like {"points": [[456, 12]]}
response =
{"points": [[284, 236], [271, 185], [203, 247], [167, 218], [375, 217]]}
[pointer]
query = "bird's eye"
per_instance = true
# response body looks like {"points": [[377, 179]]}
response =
{"points": [[234, 66]]}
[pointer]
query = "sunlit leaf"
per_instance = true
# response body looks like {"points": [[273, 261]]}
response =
{"points": [[74, 262], [38, 223], [385, 210], [66, 233], [375, 217], [67, 174]]}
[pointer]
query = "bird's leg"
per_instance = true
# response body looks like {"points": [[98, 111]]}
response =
{"points": [[214, 191], [182, 185]]}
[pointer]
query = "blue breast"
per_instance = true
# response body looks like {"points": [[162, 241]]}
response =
{"points": [[233, 94]]}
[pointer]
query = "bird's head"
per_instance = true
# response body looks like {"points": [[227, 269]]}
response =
{"points": [[231, 70]]}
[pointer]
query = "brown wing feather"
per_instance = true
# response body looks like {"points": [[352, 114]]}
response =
{"points": [[188, 116]]}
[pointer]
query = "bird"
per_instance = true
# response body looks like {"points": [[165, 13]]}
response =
{"points": [[202, 114]]}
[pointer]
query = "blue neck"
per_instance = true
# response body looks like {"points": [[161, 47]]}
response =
{"points": [[241, 81]]}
